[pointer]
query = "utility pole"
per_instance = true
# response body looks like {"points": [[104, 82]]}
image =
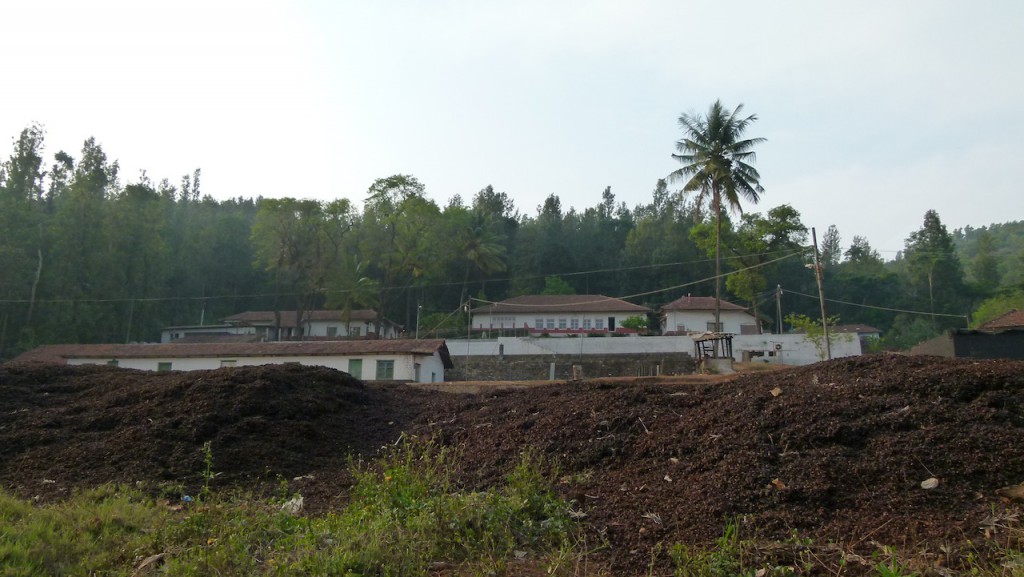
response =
{"points": [[778, 308], [469, 326], [131, 313], [821, 297], [418, 309]]}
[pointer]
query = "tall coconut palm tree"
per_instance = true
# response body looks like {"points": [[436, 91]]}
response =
{"points": [[350, 288], [716, 165], [481, 246]]}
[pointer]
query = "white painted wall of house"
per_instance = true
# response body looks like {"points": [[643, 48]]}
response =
{"points": [[509, 321], [405, 365], [314, 328], [320, 329], [169, 334], [697, 321]]}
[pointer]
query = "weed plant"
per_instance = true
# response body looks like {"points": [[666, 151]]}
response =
{"points": [[405, 517], [408, 516]]}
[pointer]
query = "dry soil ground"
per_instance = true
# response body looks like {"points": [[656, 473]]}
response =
{"points": [[835, 452]]}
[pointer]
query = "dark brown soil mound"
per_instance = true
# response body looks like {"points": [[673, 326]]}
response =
{"points": [[835, 451], [80, 426]]}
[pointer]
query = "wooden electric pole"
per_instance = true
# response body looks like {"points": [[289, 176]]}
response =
{"points": [[821, 296]]}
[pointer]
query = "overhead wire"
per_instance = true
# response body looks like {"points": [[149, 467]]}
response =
{"points": [[890, 309]]}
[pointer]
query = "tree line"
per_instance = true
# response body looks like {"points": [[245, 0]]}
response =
{"points": [[88, 259]]}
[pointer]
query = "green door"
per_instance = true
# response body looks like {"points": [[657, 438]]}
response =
{"points": [[355, 368]]}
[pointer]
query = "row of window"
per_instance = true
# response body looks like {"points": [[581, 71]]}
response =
{"points": [[385, 369], [573, 324], [354, 331]]}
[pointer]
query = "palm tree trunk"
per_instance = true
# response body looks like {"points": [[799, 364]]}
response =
{"points": [[718, 260], [35, 285], [465, 284]]}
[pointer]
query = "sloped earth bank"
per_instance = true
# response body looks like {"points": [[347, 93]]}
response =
{"points": [[835, 452]]}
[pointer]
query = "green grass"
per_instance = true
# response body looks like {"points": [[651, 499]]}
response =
{"points": [[999, 555], [405, 517], [91, 533]]}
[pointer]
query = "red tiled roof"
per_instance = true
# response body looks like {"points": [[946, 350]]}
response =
{"points": [[689, 303], [1011, 320], [288, 317], [60, 353], [562, 303]]}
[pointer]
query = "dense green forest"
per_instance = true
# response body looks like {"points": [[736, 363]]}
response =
{"points": [[86, 258]]}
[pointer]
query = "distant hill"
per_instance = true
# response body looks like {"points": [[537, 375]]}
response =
{"points": [[1008, 248]]}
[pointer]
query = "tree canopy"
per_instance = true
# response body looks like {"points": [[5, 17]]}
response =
{"points": [[89, 258]]}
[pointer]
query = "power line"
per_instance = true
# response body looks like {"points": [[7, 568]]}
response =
{"points": [[879, 308], [387, 288], [656, 291]]}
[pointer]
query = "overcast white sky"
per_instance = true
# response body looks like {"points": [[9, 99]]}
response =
{"points": [[874, 111]]}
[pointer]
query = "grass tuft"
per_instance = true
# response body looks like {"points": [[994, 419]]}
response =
{"points": [[405, 517]]}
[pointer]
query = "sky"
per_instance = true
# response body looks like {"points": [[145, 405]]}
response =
{"points": [[874, 111]]}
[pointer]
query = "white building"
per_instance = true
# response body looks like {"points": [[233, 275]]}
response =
{"points": [[688, 315], [556, 315], [422, 361], [285, 325]]}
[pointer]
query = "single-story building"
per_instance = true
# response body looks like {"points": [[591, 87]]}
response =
{"points": [[975, 344], [207, 333], [422, 361], [556, 315], [696, 315], [285, 325], [1011, 320]]}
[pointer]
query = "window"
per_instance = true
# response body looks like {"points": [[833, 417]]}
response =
{"points": [[356, 331], [681, 328], [562, 324], [713, 327], [574, 324], [539, 323], [599, 324], [586, 324], [227, 363], [551, 323], [163, 366], [112, 363], [355, 368], [332, 331], [748, 329], [385, 370]]}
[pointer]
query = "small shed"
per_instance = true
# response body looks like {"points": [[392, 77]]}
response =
{"points": [[713, 351]]}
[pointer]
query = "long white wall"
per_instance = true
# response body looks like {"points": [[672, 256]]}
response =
{"points": [[431, 368], [784, 349]]}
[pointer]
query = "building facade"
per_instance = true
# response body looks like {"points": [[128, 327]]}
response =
{"points": [[556, 315], [422, 361], [690, 315], [268, 326]]}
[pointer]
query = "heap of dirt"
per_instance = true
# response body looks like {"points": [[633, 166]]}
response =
{"points": [[64, 427], [835, 451]]}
